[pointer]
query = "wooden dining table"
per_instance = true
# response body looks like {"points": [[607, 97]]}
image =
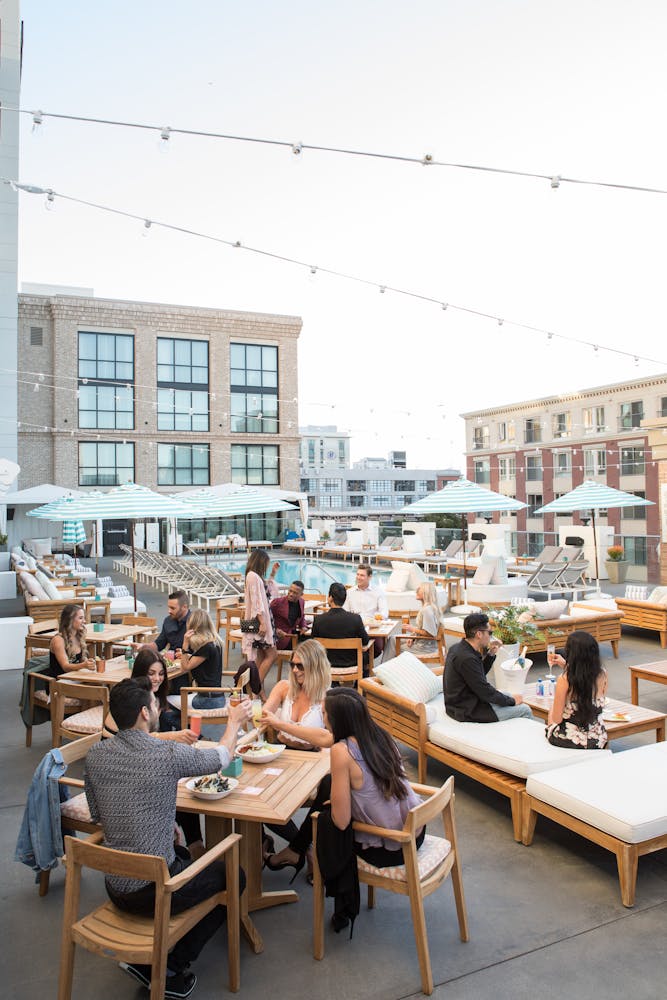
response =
{"points": [[266, 793], [115, 671], [104, 639]]}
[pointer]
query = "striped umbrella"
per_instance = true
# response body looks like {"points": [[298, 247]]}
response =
{"points": [[593, 496], [73, 532], [463, 497], [129, 501], [235, 503]]}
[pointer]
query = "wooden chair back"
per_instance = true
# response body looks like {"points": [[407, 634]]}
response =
{"points": [[139, 620], [437, 802], [187, 711], [120, 936], [96, 694], [347, 675], [439, 655], [48, 625]]}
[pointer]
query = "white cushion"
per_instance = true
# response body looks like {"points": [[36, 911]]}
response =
{"points": [[32, 586], [658, 595], [123, 605], [53, 592], [499, 565], [41, 578], [64, 595], [407, 676], [88, 721], [412, 543], [398, 581], [483, 574], [77, 808], [516, 746], [623, 794], [417, 576], [432, 853], [549, 609], [311, 536]]}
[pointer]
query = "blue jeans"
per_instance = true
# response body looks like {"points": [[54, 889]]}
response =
{"points": [[504, 712], [203, 701]]}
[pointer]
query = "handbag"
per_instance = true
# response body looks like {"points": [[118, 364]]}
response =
{"points": [[250, 625]]}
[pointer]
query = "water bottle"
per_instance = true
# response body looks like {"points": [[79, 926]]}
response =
{"points": [[539, 688]]}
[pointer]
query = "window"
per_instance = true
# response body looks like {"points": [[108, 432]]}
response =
{"points": [[632, 462], [311, 452], [635, 513], [593, 420], [357, 501], [308, 485], [561, 425], [380, 501], [106, 377], [36, 336], [105, 463], [183, 465], [511, 432], [380, 486], [327, 501], [595, 462], [534, 500], [635, 550], [356, 485], [425, 485], [182, 362], [254, 390], [502, 432], [180, 410], [482, 471], [532, 431], [331, 485], [662, 412], [404, 484], [533, 468], [255, 464], [562, 463], [342, 458], [480, 437], [632, 414], [507, 467], [535, 542]]}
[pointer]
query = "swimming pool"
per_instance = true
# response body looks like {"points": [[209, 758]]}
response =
{"points": [[316, 576]]}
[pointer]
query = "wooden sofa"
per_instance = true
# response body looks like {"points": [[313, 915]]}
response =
{"points": [[644, 614]]}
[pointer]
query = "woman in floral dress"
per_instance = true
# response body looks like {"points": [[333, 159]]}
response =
{"points": [[575, 718]]}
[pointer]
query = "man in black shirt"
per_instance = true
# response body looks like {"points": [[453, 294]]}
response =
{"points": [[173, 631], [469, 697], [336, 623]]}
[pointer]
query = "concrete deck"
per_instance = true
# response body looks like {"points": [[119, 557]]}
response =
{"points": [[545, 920]]}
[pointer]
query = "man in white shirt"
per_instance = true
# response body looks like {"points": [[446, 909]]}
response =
{"points": [[363, 599]]}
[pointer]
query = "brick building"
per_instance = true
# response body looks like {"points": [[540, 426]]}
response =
{"points": [[543, 448], [168, 396]]}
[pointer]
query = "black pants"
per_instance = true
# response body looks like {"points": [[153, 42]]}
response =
{"points": [[202, 886], [382, 857], [299, 838]]}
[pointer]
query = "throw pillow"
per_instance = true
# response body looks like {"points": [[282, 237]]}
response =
{"points": [[398, 581], [412, 543], [119, 592], [407, 676], [658, 595], [550, 609], [417, 576], [483, 574]]}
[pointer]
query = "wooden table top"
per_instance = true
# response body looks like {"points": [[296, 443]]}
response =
{"points": [[116, 670], [116, 633], [280, 794], [640, 719], [657, 669], [376, 630]]}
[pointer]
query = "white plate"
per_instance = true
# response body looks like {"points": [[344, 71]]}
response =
{"points": [[615, 717], [210, 796], [259, 754]]}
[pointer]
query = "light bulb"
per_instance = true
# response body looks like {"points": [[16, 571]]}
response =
{"points": [[50, 200], [297, 148], [555, 181], [37, 119], [147, 226], [383, 289], [444, 306]]}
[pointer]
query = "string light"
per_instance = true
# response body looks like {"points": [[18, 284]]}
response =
{"points": [[555, 180]]}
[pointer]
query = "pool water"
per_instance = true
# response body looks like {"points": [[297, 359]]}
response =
{"points": [[316, 576]]}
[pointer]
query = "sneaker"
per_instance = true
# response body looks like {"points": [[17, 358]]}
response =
{"points": [[142, 973], [180, 985]]}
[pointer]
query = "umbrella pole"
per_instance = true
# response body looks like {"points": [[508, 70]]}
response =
{"points": [[97, 547], [205, 544], [595, 546], [463, 539], [134, 567]]}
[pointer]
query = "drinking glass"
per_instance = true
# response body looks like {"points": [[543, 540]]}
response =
{"points": [[195, 724], [551, 652], [256, 713]]}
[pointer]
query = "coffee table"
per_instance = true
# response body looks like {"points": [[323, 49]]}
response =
{"points": [[656, 672], [642, 720], [280, 795]]}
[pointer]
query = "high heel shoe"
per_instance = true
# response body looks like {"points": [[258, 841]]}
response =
{"points": [[296, 865]]}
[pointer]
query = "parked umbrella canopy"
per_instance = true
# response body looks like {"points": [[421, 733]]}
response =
{"points": [[73, 532], [463, 497], [593, 496], [129, 501], [238, 503]]}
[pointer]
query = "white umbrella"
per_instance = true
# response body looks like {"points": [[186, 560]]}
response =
{"points": [[235, 503], [463, 497], [593, 496]]}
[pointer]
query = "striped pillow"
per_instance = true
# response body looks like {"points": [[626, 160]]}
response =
{"points": [[408, 677]]}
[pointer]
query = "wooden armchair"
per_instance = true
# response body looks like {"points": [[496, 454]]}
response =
{"points": [[82, 723], [211, 716], [436, 658], [421, 873], [229, 617], [349, 675], [112, 933]]}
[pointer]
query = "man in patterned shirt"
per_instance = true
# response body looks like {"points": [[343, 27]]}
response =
{"points": [[131, 783]]}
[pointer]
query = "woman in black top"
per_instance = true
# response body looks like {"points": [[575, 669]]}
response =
{"points": [[67, 649], [202, 653]]}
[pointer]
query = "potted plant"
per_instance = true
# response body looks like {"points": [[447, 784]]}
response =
{"points": [[3, 542], [512, 625], [617, 566]]}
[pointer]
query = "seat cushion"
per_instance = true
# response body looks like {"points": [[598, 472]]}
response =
{"points": [[623, 794], [517, 746], [76, 808], [88, 721], [408, 677], [432, 853], [43, 696]]}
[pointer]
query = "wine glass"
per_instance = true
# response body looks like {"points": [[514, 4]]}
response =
{"points": [[257, 713], [551, 654]]}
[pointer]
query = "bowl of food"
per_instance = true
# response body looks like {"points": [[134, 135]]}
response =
{"points": [[261, 753], [211, 786]]}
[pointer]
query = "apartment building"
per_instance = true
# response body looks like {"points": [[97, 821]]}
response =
{"points": [[372, 487], [540, 449], [168, 396]]}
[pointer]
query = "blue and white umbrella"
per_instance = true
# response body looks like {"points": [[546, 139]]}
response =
{"points": [[73, 532], [593, 496], [239, 502]]}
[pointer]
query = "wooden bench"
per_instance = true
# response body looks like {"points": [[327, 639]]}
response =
{"points": [[644, 614]]}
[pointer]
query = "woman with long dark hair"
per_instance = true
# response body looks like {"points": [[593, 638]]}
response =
{"points": [[575, 718]]}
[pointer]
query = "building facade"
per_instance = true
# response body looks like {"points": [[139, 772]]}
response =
{"points": [[167, 396], [540, 449], [372, 487]]}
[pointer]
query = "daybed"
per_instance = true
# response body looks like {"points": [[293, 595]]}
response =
{"points": [[618, 801], [650, 614], [500, 756]]}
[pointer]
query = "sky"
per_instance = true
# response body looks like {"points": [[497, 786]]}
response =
{"points": [[575, 89]]}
